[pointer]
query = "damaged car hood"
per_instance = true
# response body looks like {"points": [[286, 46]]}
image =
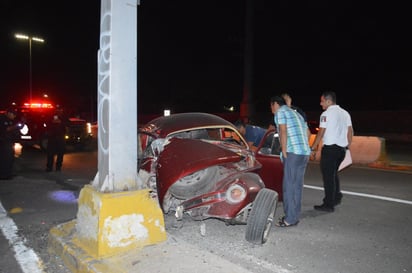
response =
{"points": [[190, 155]]}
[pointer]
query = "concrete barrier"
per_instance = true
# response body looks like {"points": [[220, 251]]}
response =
{"points": [[368, 149], [364, 149]]}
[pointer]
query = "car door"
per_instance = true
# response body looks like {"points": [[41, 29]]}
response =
{"points": [[268, 154]]}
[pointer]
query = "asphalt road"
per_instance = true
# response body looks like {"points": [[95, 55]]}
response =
{"points": [[369, 232]]}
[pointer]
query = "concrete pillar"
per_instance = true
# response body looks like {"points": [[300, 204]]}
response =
{"points": [[117, 97], [115, 214]]}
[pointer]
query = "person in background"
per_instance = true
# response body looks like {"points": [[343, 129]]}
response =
{"points": [[295, 151], [335, 130], [252, 134], [288, 100], [56, 144], [9, 133]]}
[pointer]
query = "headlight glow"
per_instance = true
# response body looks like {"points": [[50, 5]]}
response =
{"points": [[24, 130], [89, 128], [235, 193]]}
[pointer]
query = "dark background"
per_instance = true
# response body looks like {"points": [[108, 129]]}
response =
{"points": [[191, 53]]}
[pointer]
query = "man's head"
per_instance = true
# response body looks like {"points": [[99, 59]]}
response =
{"points": [[59, 108], [11, 113], [287, 98], [327, 99], [275, 103], [241, 127]]}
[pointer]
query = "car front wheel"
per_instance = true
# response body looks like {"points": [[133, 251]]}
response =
{"points": [[261, 216]]}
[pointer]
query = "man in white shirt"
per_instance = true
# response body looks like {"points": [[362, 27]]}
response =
{"points": [[335, 131]]}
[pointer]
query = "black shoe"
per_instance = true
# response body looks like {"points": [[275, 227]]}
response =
{"points": [[324, 207], [337, 202]]}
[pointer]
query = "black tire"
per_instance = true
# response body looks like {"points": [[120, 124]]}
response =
{"points": [[195, 184], [261, 216]]}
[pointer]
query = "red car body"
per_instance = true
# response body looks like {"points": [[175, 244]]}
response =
{"points": [[268, 154], [199, 164]]}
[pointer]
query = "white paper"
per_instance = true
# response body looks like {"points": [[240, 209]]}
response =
{"points": [[347, 161]]}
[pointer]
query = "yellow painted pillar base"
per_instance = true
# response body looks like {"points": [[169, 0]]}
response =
{"points": [[111, 223]]}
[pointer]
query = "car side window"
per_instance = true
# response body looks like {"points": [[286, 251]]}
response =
{"points": [[271, 144], [192, 134], [211, 134], [215, 133]]}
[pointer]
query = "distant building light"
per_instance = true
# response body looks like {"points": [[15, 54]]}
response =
{"points": [[229, 108], [166, 112]]}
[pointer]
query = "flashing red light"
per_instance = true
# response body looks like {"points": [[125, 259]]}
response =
{"points": [[38, 105]]}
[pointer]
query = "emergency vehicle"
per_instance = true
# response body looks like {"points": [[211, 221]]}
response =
{"points": [[35, 117]]}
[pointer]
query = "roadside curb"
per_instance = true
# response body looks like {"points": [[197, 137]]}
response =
{"points": [[169, 255], [386, 165]]}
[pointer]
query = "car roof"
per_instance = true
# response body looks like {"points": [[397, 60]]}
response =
{"points": [[163, 126]]}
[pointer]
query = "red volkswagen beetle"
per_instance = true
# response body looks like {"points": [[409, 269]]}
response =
{"points": [[198, 164]]}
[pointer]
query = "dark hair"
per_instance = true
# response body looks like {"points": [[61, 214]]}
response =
{"points": [[285, 94], [239, 123], [12, 110], [329, 95], [278, 99]]}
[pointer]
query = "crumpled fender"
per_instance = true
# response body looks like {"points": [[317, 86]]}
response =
{"points": [[181, 157]]}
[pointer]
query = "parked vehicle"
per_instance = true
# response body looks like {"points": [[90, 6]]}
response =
{"points": [[35, 118], [198, 164]]}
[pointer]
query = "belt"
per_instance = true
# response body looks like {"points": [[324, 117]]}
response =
{"points": [[335, 146]]}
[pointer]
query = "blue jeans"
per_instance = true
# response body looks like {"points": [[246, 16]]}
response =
{"points": [[294, 168]]}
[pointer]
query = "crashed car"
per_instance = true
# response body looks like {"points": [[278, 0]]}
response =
{"points": [[198, 164]]}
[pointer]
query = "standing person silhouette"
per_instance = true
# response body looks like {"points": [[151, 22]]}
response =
{"points": [[294, 142], [8, 136], [56, 145], [335, 130]]}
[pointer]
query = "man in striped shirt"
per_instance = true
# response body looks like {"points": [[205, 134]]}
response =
{"points": [[295, 151]]}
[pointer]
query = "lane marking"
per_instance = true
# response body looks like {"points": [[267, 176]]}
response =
{"points": [[365, 195], [265, 264], [27, 259]]}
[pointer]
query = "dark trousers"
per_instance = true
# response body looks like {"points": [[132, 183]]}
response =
{"points": [[331, 157], [55, 147], [6, 159]]}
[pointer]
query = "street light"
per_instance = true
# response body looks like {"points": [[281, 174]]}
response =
{"points": [[30, 39]]}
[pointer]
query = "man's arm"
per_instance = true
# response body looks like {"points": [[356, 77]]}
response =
{"points": [[283, 139], [350, 135], [318, 138]]}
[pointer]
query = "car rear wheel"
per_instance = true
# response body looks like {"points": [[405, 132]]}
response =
{"points": [[195, 184], [261, 216]]}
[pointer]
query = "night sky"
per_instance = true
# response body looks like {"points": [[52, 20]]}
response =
{"points": [[191, 53]]}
